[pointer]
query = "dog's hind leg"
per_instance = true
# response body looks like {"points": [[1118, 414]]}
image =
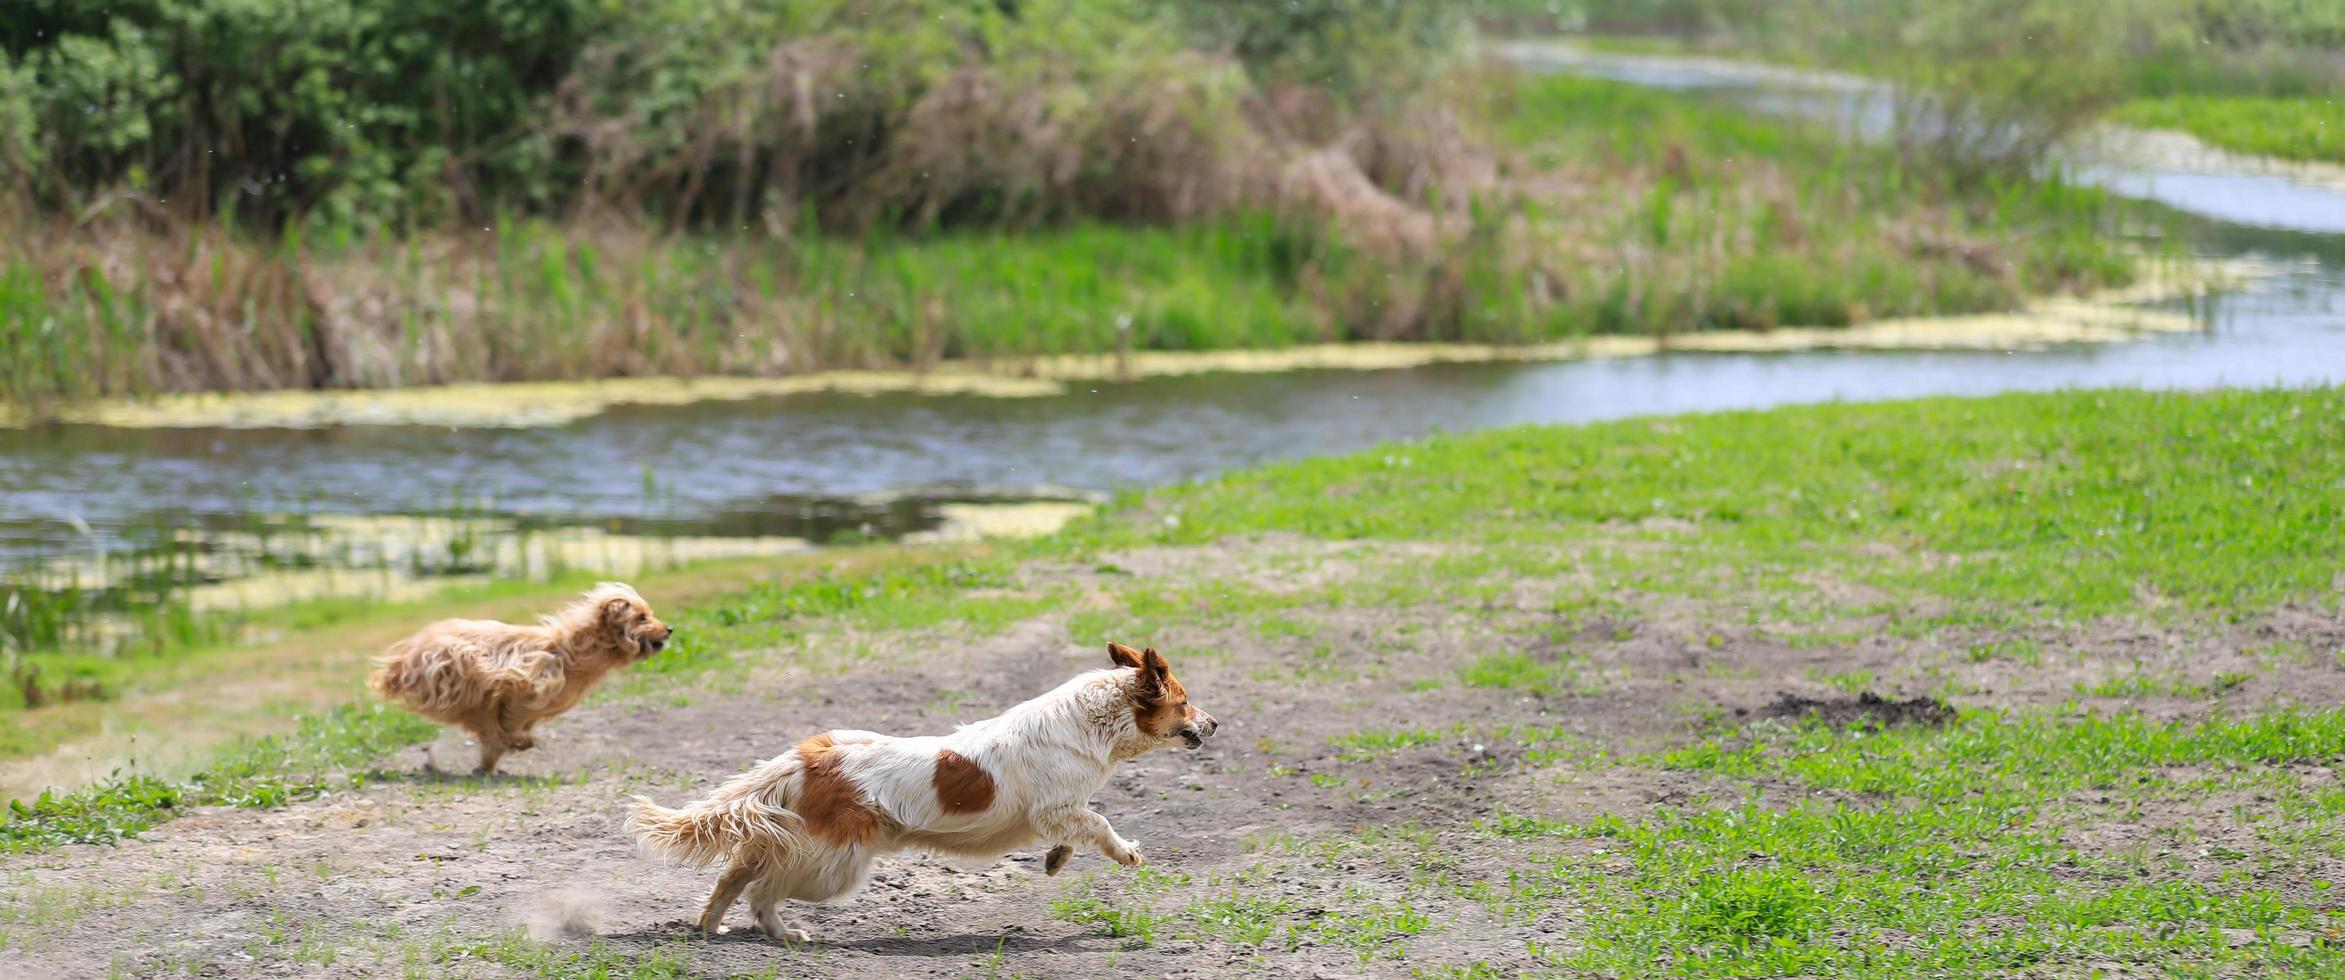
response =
{"points": [[769, 921], [727, 891]]}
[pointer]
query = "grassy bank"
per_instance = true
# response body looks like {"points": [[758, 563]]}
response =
{"points": [[2252, 77], [2113, 590], [2291, 128], [1606, 209]]}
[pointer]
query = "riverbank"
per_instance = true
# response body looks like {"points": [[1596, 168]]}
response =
{"points": [[1601, 210], [1492, 702], [2305, 127], [2262, 81], [2146, 307]]}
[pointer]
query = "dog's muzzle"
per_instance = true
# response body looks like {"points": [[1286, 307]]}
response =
{"points": [[655, 643], [1196, 735]]}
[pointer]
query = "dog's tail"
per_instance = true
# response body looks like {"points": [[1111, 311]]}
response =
{"points": [[747, 816], [404, 674]]}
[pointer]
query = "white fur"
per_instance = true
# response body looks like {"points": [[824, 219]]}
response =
{"points": [[1046, 759]]}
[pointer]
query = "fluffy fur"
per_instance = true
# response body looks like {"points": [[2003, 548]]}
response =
{"points": [[809, 823], [497, 680]]}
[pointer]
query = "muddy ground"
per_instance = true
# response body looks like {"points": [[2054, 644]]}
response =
{"points": [[1366, 849]]}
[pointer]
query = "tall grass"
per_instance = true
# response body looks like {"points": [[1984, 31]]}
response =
{"points": [[1612, 209]]}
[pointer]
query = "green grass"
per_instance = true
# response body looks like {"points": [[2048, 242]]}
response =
{"points": [[2060, 505], [1955, 852], [2023, 757], [1961, 850], [328, 751], [1751, 221], [2310, 127], [1521, 672], [1889, 891], [1976, 848], [1367, 745]]}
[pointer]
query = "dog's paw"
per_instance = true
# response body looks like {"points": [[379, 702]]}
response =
{"points": [[1057, 859], [793, 934], [1129, 855]]}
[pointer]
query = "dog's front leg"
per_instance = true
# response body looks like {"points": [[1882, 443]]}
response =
{"points": [[513, 725], [1084, 827]]}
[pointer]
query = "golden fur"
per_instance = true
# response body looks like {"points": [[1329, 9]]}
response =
{"points": [[498, 680]]}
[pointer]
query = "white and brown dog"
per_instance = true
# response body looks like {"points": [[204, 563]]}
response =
{"points": [[808, 824]]}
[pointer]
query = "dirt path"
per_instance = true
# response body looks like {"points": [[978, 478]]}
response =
{"points": [[1330, 830]]}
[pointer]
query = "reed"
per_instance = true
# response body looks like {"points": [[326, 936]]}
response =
{"points": [[1620, 211]]}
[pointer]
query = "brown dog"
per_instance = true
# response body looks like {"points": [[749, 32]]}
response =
{"points": [[497, 680]]}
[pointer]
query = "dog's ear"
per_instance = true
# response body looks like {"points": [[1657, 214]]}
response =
{"points": [[1123, 656], [616, 610], [1155, 674]]}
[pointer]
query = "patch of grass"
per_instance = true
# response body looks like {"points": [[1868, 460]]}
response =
{"points": [[1539, 676], [1248, 920], [2056, 505], [1371, 928], [1368, 926], [1365, 746], [597, 960], [1835, 890], [325, 753], [2307, 127], [2020, 756], [1121, 921]]}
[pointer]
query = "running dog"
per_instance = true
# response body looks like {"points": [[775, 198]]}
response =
{"points": [[497, 680], [809, 823]]}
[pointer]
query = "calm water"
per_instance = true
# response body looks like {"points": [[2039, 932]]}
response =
{"points": [[808, 465]]}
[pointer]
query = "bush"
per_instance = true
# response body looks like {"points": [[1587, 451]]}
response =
{"points": [[1994, 85], [732, 114], [917, 112], [265, 108], [1354, 48]]}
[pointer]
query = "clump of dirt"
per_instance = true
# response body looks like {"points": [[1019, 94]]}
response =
{"points": [[1868, 710]]}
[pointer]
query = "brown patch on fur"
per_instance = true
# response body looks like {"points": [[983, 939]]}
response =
{"points": [[1160, 705], [1123, 656], [834, 810], [962, 786]]}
